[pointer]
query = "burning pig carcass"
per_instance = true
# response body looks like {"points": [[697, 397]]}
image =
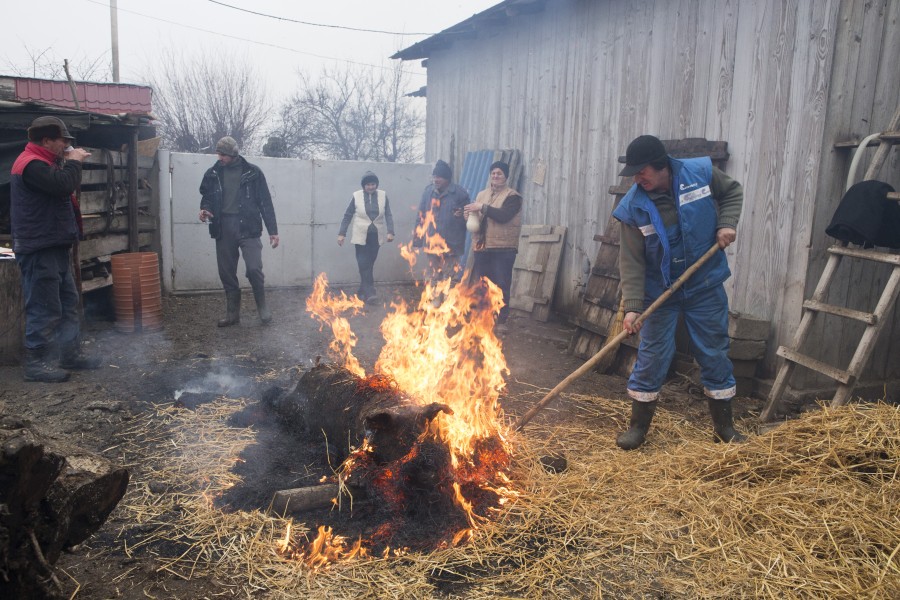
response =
{"points": [[346, 411], [423, 436]]}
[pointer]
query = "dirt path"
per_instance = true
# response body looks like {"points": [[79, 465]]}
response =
{"points": [[191, 353]]}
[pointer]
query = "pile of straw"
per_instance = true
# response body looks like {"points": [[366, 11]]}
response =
{"points": [[809, 510]]}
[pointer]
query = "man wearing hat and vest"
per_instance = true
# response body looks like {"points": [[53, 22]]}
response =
{"points": [[445, 201], [675, 211], [236, 202], [45, 226]]}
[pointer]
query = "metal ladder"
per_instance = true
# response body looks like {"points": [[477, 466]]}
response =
{"points": [[874, 321]]}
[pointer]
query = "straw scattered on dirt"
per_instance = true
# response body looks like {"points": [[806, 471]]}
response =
{"points": [[809, 510]]}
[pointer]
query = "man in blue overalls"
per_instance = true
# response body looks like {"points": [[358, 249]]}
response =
{"points": [[675, 211]]}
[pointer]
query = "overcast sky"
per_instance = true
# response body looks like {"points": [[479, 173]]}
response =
{"points": [[80, 31]]}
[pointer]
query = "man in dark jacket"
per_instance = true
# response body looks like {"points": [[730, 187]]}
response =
{"points": [[44, 213], [236, 202], [440, 226]]}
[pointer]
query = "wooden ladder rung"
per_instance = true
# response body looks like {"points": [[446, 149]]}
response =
{"points": [[816, 365], [876, 255], [892, 137], [840, 311]]}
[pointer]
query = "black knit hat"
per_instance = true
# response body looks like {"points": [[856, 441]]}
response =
{"points": [[502, 166], [442, 169], [369, 177], [642, 151]]}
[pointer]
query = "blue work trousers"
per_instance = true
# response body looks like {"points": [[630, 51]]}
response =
{"points": [[51, 299], [706, 317]]}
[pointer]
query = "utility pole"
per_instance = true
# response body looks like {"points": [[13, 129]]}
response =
{"points": [[114, 32]]}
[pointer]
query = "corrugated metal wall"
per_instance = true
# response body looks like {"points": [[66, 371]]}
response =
{"points": [[780, 80]]}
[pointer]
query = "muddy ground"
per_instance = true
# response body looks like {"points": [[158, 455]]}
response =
{"points": [[190, 353]]}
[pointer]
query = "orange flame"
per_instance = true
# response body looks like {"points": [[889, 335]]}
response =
{"points": [[446, 354], [328, 309], [426, 230]]}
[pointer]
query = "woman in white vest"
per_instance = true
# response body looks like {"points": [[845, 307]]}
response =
{"points": [[369, 219]]}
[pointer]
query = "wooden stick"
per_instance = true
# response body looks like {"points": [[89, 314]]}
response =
{"points": [[614, 343], [308, 498]]}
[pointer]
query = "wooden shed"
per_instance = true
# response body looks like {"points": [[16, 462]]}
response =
{"points": [[571, 82], [116, 196]]}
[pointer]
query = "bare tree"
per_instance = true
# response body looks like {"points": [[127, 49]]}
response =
{"points": [[45, 64], [352, 114], [201, 98]]}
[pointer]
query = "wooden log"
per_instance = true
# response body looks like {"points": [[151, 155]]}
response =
{"points": [[311, 497], [55, 496], [12, 312]]}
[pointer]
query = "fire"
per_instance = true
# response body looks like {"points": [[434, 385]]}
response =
{"points": [[427, 231], [324, 549], [445, 354], [328, 309]]}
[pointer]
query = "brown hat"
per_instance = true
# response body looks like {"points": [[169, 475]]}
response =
{"points": [[227, 145], [52, 127]]}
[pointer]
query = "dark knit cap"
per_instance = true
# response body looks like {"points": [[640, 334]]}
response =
{"points": [[51, 127], [642, 151], [227, 146], [369, 177], [442, 169], [502, 166]]}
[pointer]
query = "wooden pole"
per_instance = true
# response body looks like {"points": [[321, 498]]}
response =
{"points": [[614, 343], [133, 232]]}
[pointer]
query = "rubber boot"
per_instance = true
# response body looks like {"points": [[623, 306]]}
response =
{"points": [[723, 423], [265, 315], [73, 356], [232, 309], [37, 368], [641, 415]]}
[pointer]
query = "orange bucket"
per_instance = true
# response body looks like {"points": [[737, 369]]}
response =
{"points": [[136, 291]]}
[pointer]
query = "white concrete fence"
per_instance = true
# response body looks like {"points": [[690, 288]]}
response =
{"points": [[310, 197]]}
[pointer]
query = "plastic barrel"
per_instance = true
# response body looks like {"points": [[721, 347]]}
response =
{"points": [[136, 291]]}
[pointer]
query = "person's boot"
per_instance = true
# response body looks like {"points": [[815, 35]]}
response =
{"points": [[265, 315], [232, 309], [641, 415], [723, 423], [73, 356], [37, 367]]}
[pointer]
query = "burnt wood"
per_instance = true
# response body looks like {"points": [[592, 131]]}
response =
{"points": [[54, 496]]}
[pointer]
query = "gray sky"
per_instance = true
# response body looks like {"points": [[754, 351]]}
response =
{"points": [[80, 31]]}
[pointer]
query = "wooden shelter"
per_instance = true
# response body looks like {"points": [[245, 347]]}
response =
{"points": [[116, 196], [790, 86]]}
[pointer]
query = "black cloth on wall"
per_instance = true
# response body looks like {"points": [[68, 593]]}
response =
{"points": [[866, 217]]}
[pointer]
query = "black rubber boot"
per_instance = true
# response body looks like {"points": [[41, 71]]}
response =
{"points": [[641, 415], [232, 309], [37, 367], [73, 356], [265, 315], [723, 423]]}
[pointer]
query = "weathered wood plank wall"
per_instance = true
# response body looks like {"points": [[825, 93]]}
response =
{"points": [[780, 80]]}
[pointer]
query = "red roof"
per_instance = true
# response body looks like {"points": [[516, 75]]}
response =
{"points": [[107, 98]]}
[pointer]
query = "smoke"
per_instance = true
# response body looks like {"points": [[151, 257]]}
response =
{"points": [[219, 382]]}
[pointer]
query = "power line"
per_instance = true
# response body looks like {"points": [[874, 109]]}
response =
{"points": [[241, 39], [253, 12]]}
